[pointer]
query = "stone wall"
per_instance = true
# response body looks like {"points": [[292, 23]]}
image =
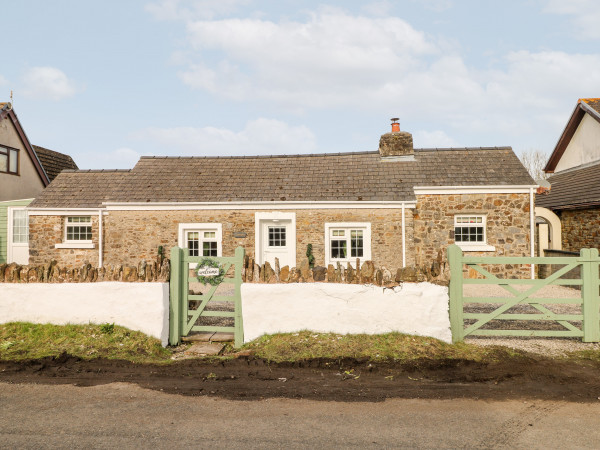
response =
{"points": [[46, 231], [507, 227], [580, 229], [131, 236]]}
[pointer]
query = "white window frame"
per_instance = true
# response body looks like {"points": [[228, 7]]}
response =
{"points": [[364, 226], [76, 243], [473, 246], [184, 228]]}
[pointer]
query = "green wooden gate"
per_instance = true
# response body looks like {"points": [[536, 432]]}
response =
{"points": [[182, 319], [589, 262]]}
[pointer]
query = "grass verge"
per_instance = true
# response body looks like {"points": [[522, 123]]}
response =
{"points": [[381, 347], [21, 341]]}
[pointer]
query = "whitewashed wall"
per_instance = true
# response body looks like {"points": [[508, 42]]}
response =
{"points": [[138, 306], [416, 308]]}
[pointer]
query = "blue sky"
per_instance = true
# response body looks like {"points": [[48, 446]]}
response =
{"points": [[107, 82]]}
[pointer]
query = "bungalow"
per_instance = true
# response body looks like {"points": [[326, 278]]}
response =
{"points": [[574, 194], [397, 206], [25, 170]]}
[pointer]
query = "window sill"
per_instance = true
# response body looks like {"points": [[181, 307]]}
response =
{"points": [[75, 245], [476, 247]]}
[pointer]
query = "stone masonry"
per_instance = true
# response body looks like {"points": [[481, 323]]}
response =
{"points": [[131, 236], [580, 229], [507, 226]]}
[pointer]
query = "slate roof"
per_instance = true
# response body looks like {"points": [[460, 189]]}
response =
{"points": [[573, 188], [361, 176], [54, 162]]}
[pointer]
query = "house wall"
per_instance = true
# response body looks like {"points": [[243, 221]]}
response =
{"points": [[584, 146], [27, 184], [507, 226], [130, 236], [46, 231], [580, 229]]}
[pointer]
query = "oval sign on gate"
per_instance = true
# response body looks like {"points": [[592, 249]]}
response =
{"points": [[208, 271]]}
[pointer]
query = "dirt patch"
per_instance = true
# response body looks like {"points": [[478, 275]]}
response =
{"points": [[248, 378]]}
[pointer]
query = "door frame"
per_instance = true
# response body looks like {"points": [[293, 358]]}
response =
{"points": [[9, 234], [261, 217]]}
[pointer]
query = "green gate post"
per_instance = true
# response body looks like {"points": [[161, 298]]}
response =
{"points": [[175, 297], [456, 293], [589, 293], [239, 324]]}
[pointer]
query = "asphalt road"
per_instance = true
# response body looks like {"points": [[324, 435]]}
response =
{"points": [[121, 415]]}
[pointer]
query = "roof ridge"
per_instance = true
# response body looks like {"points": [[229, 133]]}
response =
{"points": [[579, 167], [446, 149], [95, 170]]}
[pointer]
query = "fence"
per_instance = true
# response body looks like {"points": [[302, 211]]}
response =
{"points": [[589, 299], [183, 318]]}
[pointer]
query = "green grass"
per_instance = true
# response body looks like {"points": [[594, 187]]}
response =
{"points": [[382, 347], [21, 341]]}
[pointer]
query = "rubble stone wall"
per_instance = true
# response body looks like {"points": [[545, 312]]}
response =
{"points": [[507, 228], [580, 229], [131, 236]]}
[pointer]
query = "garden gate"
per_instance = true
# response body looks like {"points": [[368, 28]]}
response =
{"points": [[213, 271], [589, 299]]}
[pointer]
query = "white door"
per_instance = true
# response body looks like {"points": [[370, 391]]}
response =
{"points": [[276, 242], [18, 235]]}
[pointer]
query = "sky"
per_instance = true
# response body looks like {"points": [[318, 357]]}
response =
{"points": [[107, 82]]}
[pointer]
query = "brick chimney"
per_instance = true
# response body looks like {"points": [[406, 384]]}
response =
{"points": [[396, 143]]}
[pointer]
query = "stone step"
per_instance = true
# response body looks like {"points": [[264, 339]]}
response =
{"points": [[208, 337], [203, 348]]}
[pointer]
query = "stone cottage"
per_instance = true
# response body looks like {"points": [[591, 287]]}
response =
{"points": [[397, 206]]}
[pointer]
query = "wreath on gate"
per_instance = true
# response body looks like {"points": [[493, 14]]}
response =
{"points": [[212, 280]]}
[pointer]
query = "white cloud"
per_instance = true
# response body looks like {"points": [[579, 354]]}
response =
{"points": [[259, 137], [192, 9], [585, 15], [432, 139], [120, 158], [47, 83]]}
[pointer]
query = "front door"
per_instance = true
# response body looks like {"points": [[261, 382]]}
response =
{"points": [[18, 236], [275, 242]]}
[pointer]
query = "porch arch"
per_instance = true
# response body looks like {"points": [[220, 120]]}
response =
{"points": [[554, 224]]}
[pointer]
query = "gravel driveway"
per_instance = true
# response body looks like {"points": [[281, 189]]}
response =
{"points": [[544, 346]]}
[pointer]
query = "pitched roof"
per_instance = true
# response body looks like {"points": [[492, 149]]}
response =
{"points": [[584, 106], [7, 111], [362, 176], [54, 162], [573, 188]]}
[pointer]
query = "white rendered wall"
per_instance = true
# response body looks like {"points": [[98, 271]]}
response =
{"points": [[138, 306], [416, 308], [584, 146]]}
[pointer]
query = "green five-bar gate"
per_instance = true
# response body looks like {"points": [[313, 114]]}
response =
{"points": [[589, 299], [182, 318]]}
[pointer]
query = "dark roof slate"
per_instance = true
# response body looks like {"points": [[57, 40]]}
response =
{"points": [[362, 176], [573, 188], [54, 162]]}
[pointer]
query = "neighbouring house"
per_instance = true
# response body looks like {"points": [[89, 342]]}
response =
{"points": [[397, 206], [574, 194], [25, 170]]}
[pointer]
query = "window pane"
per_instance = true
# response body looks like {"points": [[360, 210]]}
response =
{"points": [[277, 236], [468, 234], [356, 243], [79, 233], [193, 243], [3, 162], [338, 249], [209, 248], [337, 232], [13, 161], [20, 227], [210, 234]]}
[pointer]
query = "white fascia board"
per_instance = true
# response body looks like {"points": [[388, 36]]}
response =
{"points": [[63, 212], [17, 200], [431, 190], [178, 206]]}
